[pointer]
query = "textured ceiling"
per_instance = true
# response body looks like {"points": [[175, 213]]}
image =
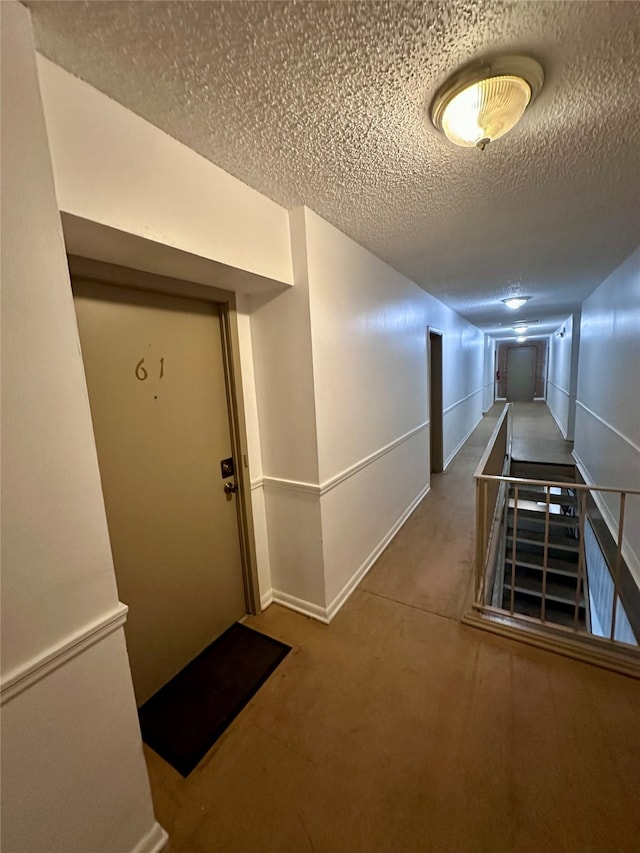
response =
{"points": [[323, 104]]}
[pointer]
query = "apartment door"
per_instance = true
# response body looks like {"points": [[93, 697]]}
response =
{"points": [[521, 374], [435, 403], [156, 381]]}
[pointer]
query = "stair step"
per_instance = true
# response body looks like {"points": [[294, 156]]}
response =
{"points": [[531, 493], [553, 471], [531, 560], [538, 516], [558, 540], [533, 607], [561, 590]]}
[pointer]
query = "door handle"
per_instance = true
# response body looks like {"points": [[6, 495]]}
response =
{"points": [[230, 488]]}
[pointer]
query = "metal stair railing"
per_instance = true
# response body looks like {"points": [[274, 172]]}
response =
{"points": [[494, 488]]}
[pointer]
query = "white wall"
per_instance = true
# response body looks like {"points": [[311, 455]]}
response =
{"points": [[489, 372], [113, 168], [607, 432], [73, 772], [562, 374], [361, 392], [281, 335], [131, 195]]}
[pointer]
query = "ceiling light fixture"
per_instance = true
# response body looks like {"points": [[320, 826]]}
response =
{"points": [[521, 338], [520, 327], [515, 302], [486, 99]]}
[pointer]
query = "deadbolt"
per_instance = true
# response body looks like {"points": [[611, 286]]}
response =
{"points": [[230, 488]]}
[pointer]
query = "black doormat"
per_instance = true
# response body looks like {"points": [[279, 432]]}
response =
{"points": [[183, 720]]}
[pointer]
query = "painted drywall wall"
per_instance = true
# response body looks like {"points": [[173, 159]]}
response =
{"points": [[607, 432], [342, 387], [113, 168], [254, 460], [562, 374], [489, 373], [73, 771], [285, 393], [369, 334], [153, 204]]}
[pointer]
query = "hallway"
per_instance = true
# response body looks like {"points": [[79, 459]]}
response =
{"points": [[397, 728]]}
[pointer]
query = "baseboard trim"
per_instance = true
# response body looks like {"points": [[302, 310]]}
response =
{"points": [[326, 614], [453, 454], [24, 676], [307, 608], [266, 599], [153, 842], [558, 424], [351, 584]]}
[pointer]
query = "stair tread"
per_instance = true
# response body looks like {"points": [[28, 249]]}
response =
{"points": [[539, 516], [536, 537], [555, 565], [554, 591], [532, 608], [531, 493], [545, 476]]}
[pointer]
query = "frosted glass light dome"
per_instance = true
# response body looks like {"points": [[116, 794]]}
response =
{"points": [[485, 110], [484, 100]]}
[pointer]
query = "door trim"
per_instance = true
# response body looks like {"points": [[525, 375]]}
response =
{"points": [[112, 274]]}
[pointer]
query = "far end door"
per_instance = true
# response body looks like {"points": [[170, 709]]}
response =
{"points": [[156, 381], [521, 374]]}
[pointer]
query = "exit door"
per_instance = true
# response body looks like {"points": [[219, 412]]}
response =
{"points": [[156, 381], [521, 374]]}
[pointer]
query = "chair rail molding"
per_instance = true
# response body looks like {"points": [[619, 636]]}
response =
{"points": [[24, 675]]}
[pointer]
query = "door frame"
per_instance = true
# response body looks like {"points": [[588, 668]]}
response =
{"points": [[113, 274], [436, 437]]}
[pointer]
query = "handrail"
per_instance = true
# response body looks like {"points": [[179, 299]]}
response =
{"points": [[490, 499], [494, 435], [498, 496], [522, 481]]}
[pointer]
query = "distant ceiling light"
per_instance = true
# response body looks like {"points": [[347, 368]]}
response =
{"points": [[521, 338], [486, 99], [520, 327], [515, 302]]}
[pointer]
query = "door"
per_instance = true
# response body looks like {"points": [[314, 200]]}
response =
{"points": [[521, 374], [158, 396], [435, 403]]}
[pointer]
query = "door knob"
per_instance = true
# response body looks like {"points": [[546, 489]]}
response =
{"points": [[230, 488]]}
